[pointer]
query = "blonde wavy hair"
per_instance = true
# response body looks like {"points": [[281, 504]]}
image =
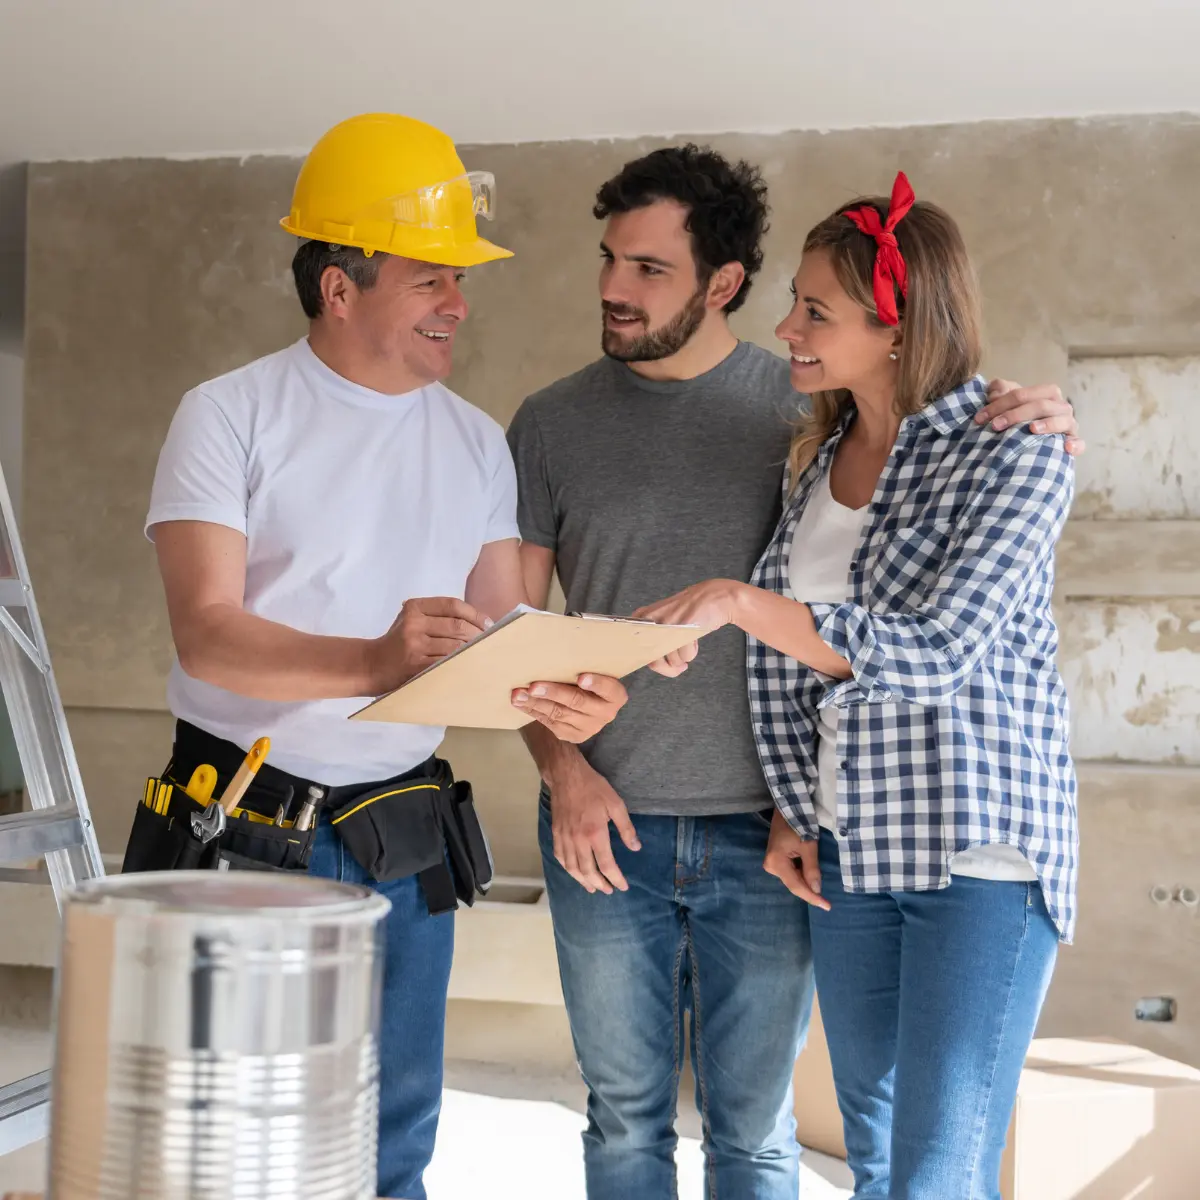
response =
{"points": [[941, 320]]}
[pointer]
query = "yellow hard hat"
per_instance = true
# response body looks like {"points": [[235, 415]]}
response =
{"points": [[391, 183]]}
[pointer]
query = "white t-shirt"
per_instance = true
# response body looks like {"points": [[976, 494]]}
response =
{"points": [[823, 546], [352, 502]]}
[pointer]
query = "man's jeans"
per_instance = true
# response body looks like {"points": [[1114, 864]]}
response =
{"points": [[929, 1001], [702, 928], [412, 1034]]}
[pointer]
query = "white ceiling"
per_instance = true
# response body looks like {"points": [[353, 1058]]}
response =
{"points": [[111, 78], [105, 78]]}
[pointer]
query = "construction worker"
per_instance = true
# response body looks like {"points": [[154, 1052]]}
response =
{"points": [[329, 520]]}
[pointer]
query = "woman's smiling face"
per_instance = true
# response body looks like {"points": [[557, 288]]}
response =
{"points": [[835, 342]]}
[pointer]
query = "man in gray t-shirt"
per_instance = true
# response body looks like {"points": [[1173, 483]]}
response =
{"points": [[636, 484], [653, 468]]}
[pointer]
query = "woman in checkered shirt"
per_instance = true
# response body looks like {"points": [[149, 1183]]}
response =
{"points": [[910, 719]]}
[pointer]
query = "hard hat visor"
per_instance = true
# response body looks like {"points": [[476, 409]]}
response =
{"points": [[437, 218], [449, 206]]}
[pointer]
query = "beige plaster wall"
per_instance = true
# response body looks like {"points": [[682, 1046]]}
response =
{"points": [[146, 277]]}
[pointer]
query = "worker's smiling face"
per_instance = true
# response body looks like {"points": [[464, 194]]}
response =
{"points": [[410, 316], [650, 292]]}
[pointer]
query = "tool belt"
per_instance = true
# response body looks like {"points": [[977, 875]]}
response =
{"points": [[421, 823]]}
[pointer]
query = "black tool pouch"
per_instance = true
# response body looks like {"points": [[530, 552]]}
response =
{"points": [[394, 831], [466, 840], [253, 845], [163, 838], [425, 827]]}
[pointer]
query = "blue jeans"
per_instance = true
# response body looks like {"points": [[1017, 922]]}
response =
{"points": [[929, 1001], [412, 1034], [702, 927]]}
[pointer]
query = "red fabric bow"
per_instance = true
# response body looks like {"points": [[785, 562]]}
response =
{"points": [[890, 271]]}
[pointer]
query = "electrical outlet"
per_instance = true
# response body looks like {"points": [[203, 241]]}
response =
{"points": [[1155, 1008]]}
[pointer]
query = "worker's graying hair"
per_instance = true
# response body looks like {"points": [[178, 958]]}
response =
{"points": [[313, 259]]}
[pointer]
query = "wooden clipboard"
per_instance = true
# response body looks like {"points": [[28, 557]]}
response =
{"points": [[472, 688]]}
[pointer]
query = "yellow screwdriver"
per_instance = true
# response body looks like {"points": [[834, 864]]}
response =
{"points": [[202, 783], [245, 773]]}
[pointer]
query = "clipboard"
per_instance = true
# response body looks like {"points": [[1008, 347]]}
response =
{"points": [[472, 688]]}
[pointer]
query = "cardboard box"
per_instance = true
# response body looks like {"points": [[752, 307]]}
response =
{"points": [[1095, 1119]]}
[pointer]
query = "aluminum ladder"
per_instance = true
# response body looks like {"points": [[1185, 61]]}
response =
{"points": [[57, 828]]}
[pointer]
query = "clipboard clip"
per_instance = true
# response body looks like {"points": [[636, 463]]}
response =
{"points": [[585, 616]]}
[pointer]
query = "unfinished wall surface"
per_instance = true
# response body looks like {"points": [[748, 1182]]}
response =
{"points": [[146, 277]]}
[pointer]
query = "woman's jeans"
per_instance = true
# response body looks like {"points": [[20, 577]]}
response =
{"points": [[929, 1001]]}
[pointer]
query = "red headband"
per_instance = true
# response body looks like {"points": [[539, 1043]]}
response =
{"points": [[890, 271]]}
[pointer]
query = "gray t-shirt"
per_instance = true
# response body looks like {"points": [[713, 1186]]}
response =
{"points": [[642, 488]]}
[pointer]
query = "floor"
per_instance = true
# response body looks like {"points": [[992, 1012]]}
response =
{"points": [[510, 1136]]}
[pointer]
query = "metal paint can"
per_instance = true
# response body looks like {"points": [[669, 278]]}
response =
{"points": [[217, 1039]]}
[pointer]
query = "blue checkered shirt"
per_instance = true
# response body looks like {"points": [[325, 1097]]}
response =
{"points": [[954, 723]]}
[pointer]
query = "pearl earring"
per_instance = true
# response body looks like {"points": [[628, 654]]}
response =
{"points": [[893, 356]]}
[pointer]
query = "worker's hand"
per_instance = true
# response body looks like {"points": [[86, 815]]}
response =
{"points": [[582, 804], [1043, 408], [573, 714], [426, 630], [793, 860]]}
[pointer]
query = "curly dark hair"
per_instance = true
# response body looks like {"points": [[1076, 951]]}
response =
{"points": [[726, 203]]}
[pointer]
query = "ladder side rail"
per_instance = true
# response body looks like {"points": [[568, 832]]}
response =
{"points": [[18, 670]]}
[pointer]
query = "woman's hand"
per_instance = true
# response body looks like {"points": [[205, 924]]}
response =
{"points": [[676, 662], [710, 605], [794, 861]]}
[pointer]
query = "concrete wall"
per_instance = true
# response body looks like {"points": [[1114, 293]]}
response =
{"points": [[146, 277]]}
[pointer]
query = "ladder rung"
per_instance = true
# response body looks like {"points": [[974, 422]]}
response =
{"points": [[12, 593], [37, 874], [28, 835], [24, 1112]]}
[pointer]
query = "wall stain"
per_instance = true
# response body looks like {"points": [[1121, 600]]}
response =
{"points": [[1154, 712], [1181, 630], [1093, 503], [1074, 643], [1147, 402], [1110, 619]]}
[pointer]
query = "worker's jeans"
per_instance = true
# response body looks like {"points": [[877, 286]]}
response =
{"points": [[929, 1001], [702, 927], [416, 974]]}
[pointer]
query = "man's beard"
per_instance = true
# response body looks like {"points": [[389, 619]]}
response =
{"points": [[657, 343]]}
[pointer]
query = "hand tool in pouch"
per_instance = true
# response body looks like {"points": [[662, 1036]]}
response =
{"points": [[308, 810], [255, 758], [211, 822]]}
